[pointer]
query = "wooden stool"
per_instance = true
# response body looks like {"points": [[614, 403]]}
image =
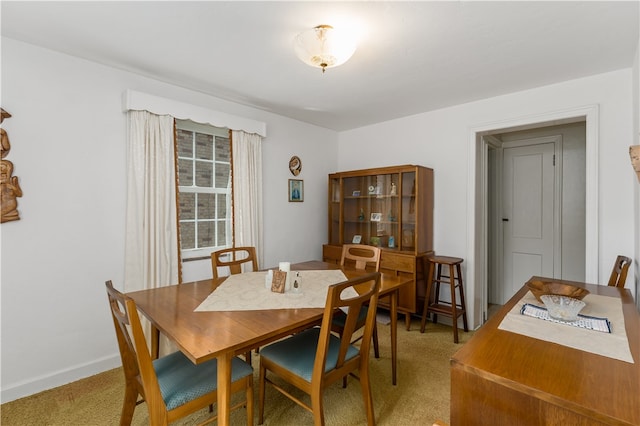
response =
{"points": [[453, 309]]}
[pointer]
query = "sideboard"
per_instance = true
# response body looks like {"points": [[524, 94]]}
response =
{"points": [[505, 378]]}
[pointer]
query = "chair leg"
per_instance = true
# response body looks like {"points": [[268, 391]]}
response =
{"points": [[365, 385], [261, 386], [129, 405], [316, 406]]}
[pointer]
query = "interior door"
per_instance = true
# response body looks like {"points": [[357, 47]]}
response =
{"points": [[530, 211]]}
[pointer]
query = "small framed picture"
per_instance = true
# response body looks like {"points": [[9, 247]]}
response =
{"points": [[357, 239], [296, 190], [376, 217], [355, 193]]}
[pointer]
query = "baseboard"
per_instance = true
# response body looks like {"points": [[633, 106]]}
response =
{"points": [[59, 378]]}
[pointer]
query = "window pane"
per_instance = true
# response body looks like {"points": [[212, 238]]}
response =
{"points": [[185, 172], [223, 149], [222, 206], [222, 233], [187, 235], [222, 175], [187, 205], [206, 206], [204, 174], [185, 143], [206, 234], [204, 146]]}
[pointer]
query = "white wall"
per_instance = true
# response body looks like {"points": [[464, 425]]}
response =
{"points": [[440, 139], [67, 138]]}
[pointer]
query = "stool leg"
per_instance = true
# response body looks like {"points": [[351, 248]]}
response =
{"points": [[462, 302], [427, 296], [454, 312], [437, 295]]}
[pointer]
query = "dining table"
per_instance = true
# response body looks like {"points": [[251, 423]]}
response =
{"points": [[535, 370], [204, 335]]}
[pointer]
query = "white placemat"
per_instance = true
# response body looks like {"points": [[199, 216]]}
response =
{"points": [[583, 321], [613, 345], [247, 292]]}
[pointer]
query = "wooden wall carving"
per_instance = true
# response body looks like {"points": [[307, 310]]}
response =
{"points": [[9, 186]]}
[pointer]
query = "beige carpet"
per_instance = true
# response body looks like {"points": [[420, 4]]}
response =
{"points": [[420, 397]]}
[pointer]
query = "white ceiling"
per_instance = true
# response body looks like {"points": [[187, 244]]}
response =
{"points": [[413, 56]]}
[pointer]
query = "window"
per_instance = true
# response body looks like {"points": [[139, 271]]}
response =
{"points": [[204, 186]]}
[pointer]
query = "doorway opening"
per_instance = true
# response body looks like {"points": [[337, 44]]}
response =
{"points": [[486, 266]]}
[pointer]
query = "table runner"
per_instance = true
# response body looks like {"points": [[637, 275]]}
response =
{"points": [[613, 345], [247, 292]]}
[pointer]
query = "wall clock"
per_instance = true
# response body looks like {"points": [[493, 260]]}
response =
{"points": [[295, 165]]}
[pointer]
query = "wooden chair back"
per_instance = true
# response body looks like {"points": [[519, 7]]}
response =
{"points": [[140, 374], [368, 286], [362, 256], [134, 352], [291, 359], [233, 258], [619, 272]]}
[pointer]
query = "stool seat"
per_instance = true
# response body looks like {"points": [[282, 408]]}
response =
{"points": [[445, 260], [454, 308]]}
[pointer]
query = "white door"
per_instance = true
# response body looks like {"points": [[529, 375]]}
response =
{"points": [[530, 213]]}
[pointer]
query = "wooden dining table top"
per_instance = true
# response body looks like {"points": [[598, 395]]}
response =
{"points": [[202, 336], [597, 386]]}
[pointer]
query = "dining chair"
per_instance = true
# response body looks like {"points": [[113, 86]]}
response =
{"points": [[619, 272], [233, 258], [172, 386], [315, 358], [360, 256]]}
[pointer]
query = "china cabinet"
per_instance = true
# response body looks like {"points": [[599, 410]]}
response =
{"points": [[387, 207]]}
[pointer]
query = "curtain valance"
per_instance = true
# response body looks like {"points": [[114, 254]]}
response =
{"points": [[138, 101]]}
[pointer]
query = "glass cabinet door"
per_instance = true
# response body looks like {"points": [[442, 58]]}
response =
{"points": [[408, 237], [371, 210], [335, 207]]}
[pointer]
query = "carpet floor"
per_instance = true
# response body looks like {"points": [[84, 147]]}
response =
{"points": [[420, 397]]}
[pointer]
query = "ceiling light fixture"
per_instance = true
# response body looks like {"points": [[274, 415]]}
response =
{"points": [[324, 46]]}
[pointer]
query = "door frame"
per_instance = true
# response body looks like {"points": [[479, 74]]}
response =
{"points": [[477, 212]]}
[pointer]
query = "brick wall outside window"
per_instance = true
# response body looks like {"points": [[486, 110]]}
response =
{"points": [[204, 186]]}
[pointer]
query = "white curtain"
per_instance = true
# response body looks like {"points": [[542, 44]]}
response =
{"points": [[151, 245], [246, 150], [151, 242]]}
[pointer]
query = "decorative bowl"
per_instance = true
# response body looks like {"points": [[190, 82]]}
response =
{"points": [[562, 308], [538, 288]]}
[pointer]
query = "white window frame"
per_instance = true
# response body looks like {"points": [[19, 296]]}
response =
{"points": [[201, 252]]}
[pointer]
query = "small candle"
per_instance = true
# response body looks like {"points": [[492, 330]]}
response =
{"points": [[285, 266], [268, 279]]}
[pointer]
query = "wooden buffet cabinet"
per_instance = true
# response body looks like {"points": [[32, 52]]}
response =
{"points": [[389, 207], [504, 378]]}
